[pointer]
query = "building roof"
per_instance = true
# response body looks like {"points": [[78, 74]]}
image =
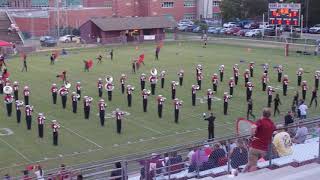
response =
{"points": [[127, 23]]}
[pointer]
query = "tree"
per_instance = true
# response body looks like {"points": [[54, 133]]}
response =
{"points": [[243, 9]]}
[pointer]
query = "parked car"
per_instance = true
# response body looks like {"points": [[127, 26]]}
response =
{"points": [[229, 24], [242, 32], [253, 33], [185, 22], [69, 38], [223, 30], [211, 30], [269, 32], [232, 30], [182, 27], [190, 28], [48, 41], [315, 29], [251, 26], [197, 29]]}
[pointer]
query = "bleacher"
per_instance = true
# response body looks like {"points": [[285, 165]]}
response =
{"points": [[4, 25]]}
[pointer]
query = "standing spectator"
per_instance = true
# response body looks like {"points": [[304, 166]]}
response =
{"points": [[39, 173], [116, 174], [303, 110], [282, 142], [262, 133], [239, 155], [301, 134]]}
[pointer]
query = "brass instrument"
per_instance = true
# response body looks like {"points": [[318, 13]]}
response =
{"points": [[154, 71], [67, 85], [109, 79], [107, 86], [9, 101], [19, 103], [7, 89]]}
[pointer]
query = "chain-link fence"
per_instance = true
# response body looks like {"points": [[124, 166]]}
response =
{"points": [[293, 145]]}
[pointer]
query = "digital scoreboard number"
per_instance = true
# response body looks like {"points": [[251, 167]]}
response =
{"points": [[284, 14]]}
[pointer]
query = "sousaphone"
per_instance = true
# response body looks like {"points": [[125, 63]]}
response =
{"points": [[154, 71], [109, 79], [7, 89], [67, 85]]}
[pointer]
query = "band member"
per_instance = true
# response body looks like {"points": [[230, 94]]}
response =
{"points": [[304, 89], [199, 75], [180, 75], [285, 82], [266, 68], [205, 40], [52, 59], [194, 89], [279, 70], [123, 79], [157, 53], [145, 95], [221, 70], [55, 128], [210, 120], [86, 106], [246, 76], [28, 111], [109, 87], [134, 62], [24, 59], [250, 109], [173, 89], [63, 91], [63, 76], [160, 101], [231, 85], [264, 80], [130, 89], [102, 108], [74, 99], [277, 102], [86, 65], [251, 67], [143, 81], [226, 98], [1, 84], [78, 89], [299, 76], [99, 58], [111, 54], [162, 76], [249, 90], [236, 73], [314, 97], [119, 114], [19, 104], [54, 91], [210, 94], [16, 90], [214, 80], [100, 87], [26, 93], [316, 79], [177, 105], [270, 91], [8, 99], [296, 99], [153, 82], [41, 118]]}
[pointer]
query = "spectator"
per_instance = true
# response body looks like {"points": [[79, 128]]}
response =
{"points": [[303, 110], [189, 156], [198, 158], [39, 173], [239, 155], [116, 174], [63, 173], [175, 163], [301, 134], [26, 175], [218, 156], [6, 177], [262, 133], [207, 149], [282, 142], [288, 119]]}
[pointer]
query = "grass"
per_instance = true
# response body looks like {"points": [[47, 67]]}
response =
{"points": [[83, 140]]}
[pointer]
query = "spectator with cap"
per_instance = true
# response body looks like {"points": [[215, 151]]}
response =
{"points": [[282, 142], [261, 138], [301, 134]]}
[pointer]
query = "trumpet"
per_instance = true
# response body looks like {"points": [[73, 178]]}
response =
{"points": [[175, 83], [78, 96], [64, 93], [19, 103], [109, 79], [148, 92], [197, 87], [90, 99]]}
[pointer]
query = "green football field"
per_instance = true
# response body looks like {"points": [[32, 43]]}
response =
{"points": [[83, 140]]}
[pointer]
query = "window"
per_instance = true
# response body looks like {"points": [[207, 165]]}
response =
{"points": [[216, 3], [70, 3], [40, 3], [189, 16], [167, 5], [109, 4], [189, 3]]}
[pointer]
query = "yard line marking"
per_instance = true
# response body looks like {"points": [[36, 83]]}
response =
{"points": [[146, 127], [68, 129], [16, 150]]}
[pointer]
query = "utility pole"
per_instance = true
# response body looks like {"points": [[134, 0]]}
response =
{"points": [[307, 2], [58, 16]]}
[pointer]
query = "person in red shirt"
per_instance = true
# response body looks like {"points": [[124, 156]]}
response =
{"points": [[262, 133]]}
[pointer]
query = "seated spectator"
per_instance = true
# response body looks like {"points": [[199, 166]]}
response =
{"points": [[175, 163], [282, 142], [301, 134], [239, 155], [189, 156], [116, 174], [63, 173], [198, 158], [207, 149], [288, 119], [218, 156]]}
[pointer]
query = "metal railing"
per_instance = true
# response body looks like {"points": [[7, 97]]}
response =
{"points": [[14, 22], [210, 158]]}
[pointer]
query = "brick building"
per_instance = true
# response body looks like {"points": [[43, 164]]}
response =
{"points": [[42, 16]]}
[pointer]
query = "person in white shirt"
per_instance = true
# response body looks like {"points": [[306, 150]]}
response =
{"points": [[303, 110], [39, 173]]}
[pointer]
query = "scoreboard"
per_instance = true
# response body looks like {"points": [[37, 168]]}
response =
{"points": [[285, 14]]}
